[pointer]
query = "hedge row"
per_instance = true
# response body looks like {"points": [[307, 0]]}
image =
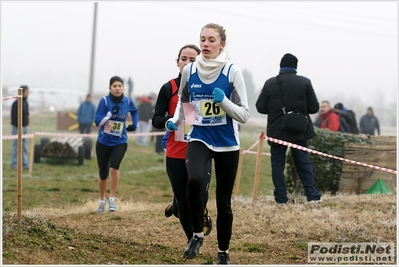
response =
{"points": [[327, 171]]}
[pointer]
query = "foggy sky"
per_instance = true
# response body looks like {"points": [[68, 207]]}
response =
{"points": [[346, 49]]}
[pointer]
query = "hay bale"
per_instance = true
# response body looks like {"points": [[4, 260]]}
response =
{"points": [[62, 147], [358, 179]]}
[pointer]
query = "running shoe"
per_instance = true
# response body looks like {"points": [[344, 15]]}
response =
{"points": [[223, 258], [169, 210], [112, 205], [193, 247], [101, 206]]}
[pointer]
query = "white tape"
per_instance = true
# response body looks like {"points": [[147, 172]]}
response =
{"points": [[11, 97]]}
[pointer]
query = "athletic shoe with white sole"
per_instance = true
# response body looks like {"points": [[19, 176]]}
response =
{"points": [[101, 206], [112, 205]]}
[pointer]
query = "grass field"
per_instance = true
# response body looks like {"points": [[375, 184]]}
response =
{"points": [[55, 182], [60, 224]]}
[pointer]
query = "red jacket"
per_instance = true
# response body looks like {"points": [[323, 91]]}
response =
{"points": [[174, 149], [330, 120]]}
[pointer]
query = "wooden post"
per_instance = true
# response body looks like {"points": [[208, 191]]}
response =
{"points": [[32, 153], [19, 142], [257, 169], [238, 177]]}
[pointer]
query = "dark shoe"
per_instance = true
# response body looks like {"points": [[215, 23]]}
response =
{"points": [[314, 201], [207, 222], [169, 210], [223, 258], [193, 247]]}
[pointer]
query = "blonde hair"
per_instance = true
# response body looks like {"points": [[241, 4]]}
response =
{"points": [[218, 28]]}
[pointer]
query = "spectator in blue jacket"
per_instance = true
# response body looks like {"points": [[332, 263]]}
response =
{"points": [[86, 113]]}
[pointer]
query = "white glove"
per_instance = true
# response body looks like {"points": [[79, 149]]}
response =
{"points": [[109, 115]]}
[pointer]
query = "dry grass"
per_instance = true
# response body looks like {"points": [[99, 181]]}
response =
{"points": [[68, 230], [263, 232]]}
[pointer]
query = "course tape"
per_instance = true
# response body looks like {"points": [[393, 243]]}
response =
{"points": [[11, 97], [324, 154], [31, 135], [285, 143]]}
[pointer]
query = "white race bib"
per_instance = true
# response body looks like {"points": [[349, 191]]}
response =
{"points": [[209, 113], [113, 127]]}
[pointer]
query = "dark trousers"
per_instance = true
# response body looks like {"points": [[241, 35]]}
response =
{"points": [[177, 173], [303, 167], [226, 163], [158, 141], [84, 127]]}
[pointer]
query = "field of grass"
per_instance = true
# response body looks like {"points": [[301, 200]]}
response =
{"points": [[60, 224], [61, 183]]}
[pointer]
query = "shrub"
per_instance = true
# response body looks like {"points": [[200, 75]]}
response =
{"points": [[327, 171]]}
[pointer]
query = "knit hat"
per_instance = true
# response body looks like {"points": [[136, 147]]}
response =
{"points": [[289, 61], [339, 106]]}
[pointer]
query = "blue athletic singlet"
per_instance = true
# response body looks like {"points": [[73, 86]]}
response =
{"points": [[221, 132]]}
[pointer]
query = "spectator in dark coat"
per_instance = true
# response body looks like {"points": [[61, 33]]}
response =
{"points": [[349, 117], [14, 129], [298, 95], [369, 123]]}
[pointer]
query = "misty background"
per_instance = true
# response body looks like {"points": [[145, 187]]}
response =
{"points": [[347, 49]]}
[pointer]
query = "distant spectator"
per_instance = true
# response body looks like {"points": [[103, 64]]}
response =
{"points": [[349, 117], [14, 129], [329, 119], [130, 86], [369, 122], [86, 114], [344, 126], [145, 115]]}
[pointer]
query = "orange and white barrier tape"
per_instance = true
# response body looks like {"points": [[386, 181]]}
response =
{"points": [[11, 97], [285, 143]]}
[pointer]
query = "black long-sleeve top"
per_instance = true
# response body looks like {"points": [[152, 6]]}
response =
{"points": [[161, 107], [25, 113]]}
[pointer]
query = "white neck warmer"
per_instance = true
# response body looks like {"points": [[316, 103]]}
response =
{"points": [[209, 68]]}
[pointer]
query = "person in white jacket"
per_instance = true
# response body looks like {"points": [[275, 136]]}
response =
{"points": [[212, 100]]}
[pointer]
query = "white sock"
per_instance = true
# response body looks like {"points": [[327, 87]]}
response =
{"points": [[227, 251], [112, 199], [199, 234], [102, 201]]}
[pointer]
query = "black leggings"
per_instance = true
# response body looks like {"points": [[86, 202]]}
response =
{"points": [[177, 172], [109, 156], [226, 163]]}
